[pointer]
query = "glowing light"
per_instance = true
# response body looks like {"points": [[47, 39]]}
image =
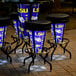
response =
{"points": [[38, 35], [17, 27], [35, 11], [59, 30], [24, 15], [39, 40], [34, 18], [2, 34], [21, 19]]}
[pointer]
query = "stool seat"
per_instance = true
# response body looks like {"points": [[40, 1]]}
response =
{"points": [[58, 18], [14, 15], [4, 21], [38, 25]]}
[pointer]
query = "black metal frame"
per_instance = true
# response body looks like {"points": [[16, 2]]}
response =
{"points": [[8, 50], [64, 47]]}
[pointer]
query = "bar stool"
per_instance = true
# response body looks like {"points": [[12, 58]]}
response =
{"points": [[37, 31], [4, 22], [16, 23], [6, 46], [57, 29]]}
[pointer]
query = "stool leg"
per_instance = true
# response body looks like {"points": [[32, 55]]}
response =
{"points": [[45, 57], [26, 59], [23, 48], [16, 46], [65, 47], [47, 62], [15, 51], [8, 56], [33, 59], [29, 66], [32, 62], [66, 51], [53, 51]]}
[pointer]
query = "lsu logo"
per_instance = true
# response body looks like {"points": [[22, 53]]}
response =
{"points": [[35, 10], [58, 31], [14, 22], [39, 34], [23, 10], [34, 18], [27, 30], [39, 50], [55, 26], [58, 36], [38, 39], [30, 33], [60, 26], [21, 19], [22, 29], [38, 45], [1, 29]]}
